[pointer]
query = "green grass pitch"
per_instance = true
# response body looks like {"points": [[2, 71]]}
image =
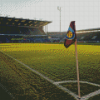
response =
{"points": [[56, 61]]}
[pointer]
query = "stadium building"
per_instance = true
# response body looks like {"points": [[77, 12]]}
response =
{"points": [[89, 35], [86, 35], [22, 30]]}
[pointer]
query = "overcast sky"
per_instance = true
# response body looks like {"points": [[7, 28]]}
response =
{"points": [[86, 13]]}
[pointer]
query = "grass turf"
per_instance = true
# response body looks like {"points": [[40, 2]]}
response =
{"points": [[57, 62], [25, 85], [84, 88], [97, 97]]}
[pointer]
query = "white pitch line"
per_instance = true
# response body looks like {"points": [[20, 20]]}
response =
{"points": [[68, 91], [74, 81], [69, 81], [86, 96], [90, 95], [90, 83], [7, 91]]}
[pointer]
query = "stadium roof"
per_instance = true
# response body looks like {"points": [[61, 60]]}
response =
{"points": [[22, 22], [88, 30]]}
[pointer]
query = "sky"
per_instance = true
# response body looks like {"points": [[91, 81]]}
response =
{"points": [[85, 13]]}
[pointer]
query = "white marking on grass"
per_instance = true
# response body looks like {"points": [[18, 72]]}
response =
{"points": [[67, 90], [60, 86], [86, 96], [74, 81], [7, 91], [69, 81], [90, 95]]}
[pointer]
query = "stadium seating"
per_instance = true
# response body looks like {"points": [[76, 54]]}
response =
{"points": [[89, 37], [10, 33], [81, 37]]}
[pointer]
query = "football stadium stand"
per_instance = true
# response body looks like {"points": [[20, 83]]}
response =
{"points": [[22, 30], [88, 35]]}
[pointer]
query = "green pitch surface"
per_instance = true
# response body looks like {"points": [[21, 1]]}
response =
{"points": [[23, 84], [56, 61]]}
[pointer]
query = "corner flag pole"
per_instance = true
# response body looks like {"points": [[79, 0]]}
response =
{"points": [[70, 39], [77, 68]]}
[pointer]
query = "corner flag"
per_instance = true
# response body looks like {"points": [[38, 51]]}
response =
{"points": [[70, 39], [71, 35]]}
